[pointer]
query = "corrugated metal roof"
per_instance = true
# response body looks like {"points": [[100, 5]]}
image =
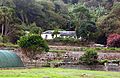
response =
{"points": [[62, 33], [68, 33]]}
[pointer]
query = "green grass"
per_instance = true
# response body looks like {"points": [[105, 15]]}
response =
{"points": [[101, 48], [57, 51], [56, 73], [8, 45]]}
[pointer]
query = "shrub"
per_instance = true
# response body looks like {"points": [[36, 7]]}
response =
{"points": [[58, 39], [5, 39], [103, 61], [113, 40], [33, 45], [90, 57]]}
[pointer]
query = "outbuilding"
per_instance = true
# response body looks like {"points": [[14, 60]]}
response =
{"points": [[9, 59]]}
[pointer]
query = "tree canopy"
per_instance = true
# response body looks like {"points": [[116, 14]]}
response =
{"points": [[86, 30], [110, 23], [19, 16]]}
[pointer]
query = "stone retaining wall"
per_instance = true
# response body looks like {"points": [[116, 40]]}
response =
{"points": [[93, 67]]}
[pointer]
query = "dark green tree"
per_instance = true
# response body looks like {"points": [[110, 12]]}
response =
{"points": [[79, 13], [86, 30], [34, 29]]}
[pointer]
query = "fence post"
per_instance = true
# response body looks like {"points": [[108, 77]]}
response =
{"points": [[106, 66]]}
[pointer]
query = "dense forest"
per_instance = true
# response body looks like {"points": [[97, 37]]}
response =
{"points": [[99, 18]]}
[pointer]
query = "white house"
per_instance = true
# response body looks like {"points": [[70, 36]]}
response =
{"points": [[48, 34]]}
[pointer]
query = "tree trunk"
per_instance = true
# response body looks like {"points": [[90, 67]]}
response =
{"points": [[56, 35], [2, 30], [6, 28]]}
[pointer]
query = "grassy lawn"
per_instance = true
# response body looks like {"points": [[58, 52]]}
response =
{"points": [[56, 73]]}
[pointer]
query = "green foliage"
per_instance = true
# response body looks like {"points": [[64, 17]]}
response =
{"points": [[1, 39], [110, 23], [79, 13], [10, 28], [97, 12], [56, 32], [57, 51], [103, 49], [50, 14], [9, 45], [35, 29], [33, 42], [42, 12], [66, 40], [90, 57], [87, 30], [32, 45], [5, 39], [103, 61]]}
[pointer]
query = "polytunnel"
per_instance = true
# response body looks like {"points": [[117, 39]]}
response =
{"points": [[9, 59]]}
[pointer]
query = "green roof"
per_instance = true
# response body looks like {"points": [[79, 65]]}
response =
{"points": [[9, 59]]}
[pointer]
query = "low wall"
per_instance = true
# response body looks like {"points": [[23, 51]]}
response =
{"points": [[93, 67]]}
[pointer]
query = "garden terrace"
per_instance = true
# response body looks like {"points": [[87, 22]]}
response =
{"points": [[79, 49]]}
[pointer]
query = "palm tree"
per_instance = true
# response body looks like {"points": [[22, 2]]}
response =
{"points": [[6, 17], [1, 22]]}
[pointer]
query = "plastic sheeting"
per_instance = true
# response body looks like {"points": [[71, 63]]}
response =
{"points": [[9, 59]]}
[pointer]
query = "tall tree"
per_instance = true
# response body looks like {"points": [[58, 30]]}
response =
{"points": [[87, 31], [9, 23], [6, 15], [110, 23], [79, 13]]}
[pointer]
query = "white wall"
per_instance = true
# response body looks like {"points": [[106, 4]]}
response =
{"points": [[48, 36]]}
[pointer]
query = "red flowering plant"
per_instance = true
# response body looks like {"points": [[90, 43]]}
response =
{"points": [[113, 40]]}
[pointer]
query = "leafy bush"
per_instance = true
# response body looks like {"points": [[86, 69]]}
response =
{"points": [[58, 39], [35, 29], [90, 57], [5, 39], [113, 40], [33, 45], [87, 30], [103, 61], [66, 40]]}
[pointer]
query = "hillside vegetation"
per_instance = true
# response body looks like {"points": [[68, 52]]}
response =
{"points": [[93, 20]]}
